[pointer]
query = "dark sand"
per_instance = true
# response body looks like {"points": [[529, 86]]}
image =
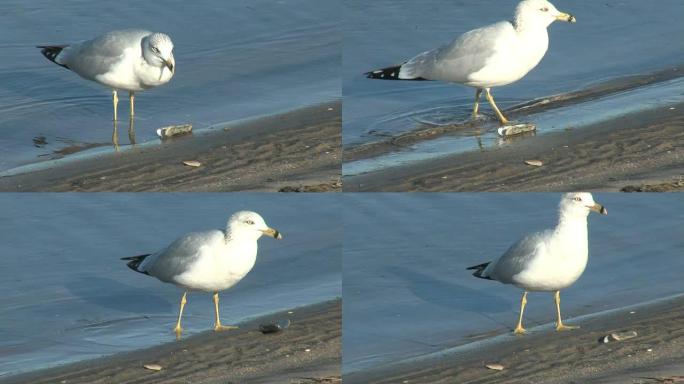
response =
{"points": [[547, 356], [641, 151], [637, 152], [241, 356], [296, 151]]}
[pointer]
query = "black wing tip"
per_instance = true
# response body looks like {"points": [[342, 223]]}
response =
{"points": [[479, 269], [389, 73], [134, 262]]}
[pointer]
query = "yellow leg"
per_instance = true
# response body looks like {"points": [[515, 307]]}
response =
{"points": [[217, 325], [519, 330], [476, 107], [500, 115], [131, 96], [115, 100], [178, 330], [131, 130], [115, 136], [559, 323]]}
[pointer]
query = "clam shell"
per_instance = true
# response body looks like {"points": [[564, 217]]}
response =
{"points": [[516, 129], [623, 335], [192, 163], [174, 130]]}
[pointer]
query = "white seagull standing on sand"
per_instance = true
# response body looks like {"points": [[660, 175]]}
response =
{"points": [[494, 55], [209, 261], [131, 60], [547, 261]]}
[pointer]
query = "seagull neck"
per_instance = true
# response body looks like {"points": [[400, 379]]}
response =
{"points": [[568, 223], [239, 236], [523, 26]]}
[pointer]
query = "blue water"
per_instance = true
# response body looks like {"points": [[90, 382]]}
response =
{"points": [[407, 293], [236, 59], [66, 296], [609, 40]]}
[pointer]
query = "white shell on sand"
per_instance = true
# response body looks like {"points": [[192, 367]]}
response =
{"points": [[496, 367], [192, 163], [153, 367], [516, 129], [536, 163], [174, 130], [624, 335]]}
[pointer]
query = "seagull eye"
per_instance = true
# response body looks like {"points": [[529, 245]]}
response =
{"points": [[545, 9], [250, 222], [155, 49], [577, 198]]}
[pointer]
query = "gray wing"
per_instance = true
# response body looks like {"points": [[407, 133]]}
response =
{"points": [[517, 257], [95, 57], [456, 61], [178, 257]]}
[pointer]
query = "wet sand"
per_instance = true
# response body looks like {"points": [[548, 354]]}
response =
{"points": [[547, 356], [300, 150], [642, 151], [308, 351]]}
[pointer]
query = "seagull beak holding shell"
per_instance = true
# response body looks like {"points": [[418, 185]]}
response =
{"points": [[273, 233], [566, 17], [599, 208]]}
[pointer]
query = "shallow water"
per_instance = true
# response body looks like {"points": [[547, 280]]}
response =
{"points": [[66, 296], [609, 40], [235, 60], [407, 293], [485, 137]]}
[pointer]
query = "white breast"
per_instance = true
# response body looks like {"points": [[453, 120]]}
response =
{"points": [[219, 268], [559, 262], [520, 52], [133, 73]]}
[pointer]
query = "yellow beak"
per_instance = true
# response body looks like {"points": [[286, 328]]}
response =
{"points": [[599, 208], [170, 64], [272, 233], [562, 16]]}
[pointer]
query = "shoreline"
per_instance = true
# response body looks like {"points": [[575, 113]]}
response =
{"points": [[614, 86], [295, 151], [544, 355], [640, 151], [308, 351]]}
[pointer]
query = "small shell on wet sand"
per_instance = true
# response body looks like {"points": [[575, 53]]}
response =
{"points": [[153, 367], [536, 163], [516, 129], [174, 130], [623, 335], [496, 367], [192, 163], [618, 336]]}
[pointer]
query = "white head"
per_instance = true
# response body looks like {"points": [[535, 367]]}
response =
{"points": [[247, 224], [539, 13], [579, 204], [157, 50]]}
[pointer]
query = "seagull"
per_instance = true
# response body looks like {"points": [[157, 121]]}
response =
{"points": [[491, 56], [547, 261], [131, 60], [209, 261]]}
